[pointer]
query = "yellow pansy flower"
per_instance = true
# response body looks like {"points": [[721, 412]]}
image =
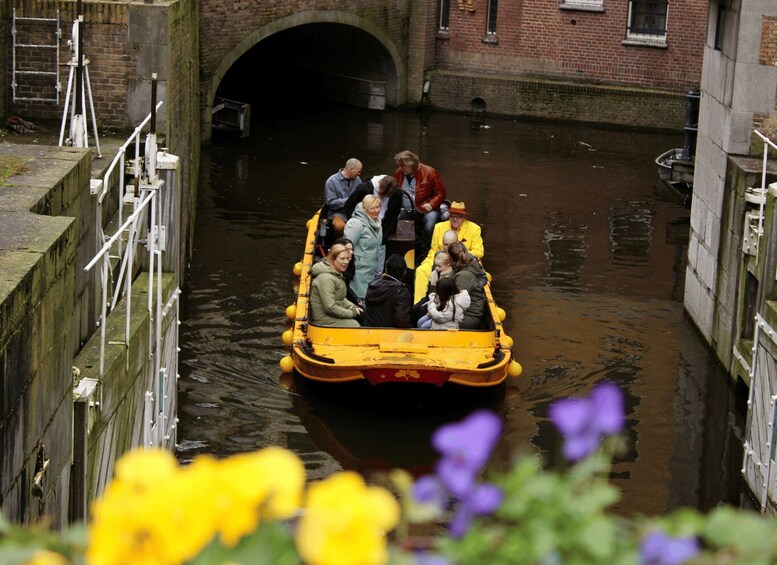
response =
{"points": [[45, 557], [144, 468], [264, 485], [150, 513], [157, 513], [345, 522]]}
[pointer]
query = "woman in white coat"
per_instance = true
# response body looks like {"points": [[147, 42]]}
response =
{"points": [[447, 305]]}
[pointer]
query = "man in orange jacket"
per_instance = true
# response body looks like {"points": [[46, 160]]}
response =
{"points": [[423, 193]]}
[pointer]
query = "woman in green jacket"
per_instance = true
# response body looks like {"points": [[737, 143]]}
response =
{"points": [[328, 304]]}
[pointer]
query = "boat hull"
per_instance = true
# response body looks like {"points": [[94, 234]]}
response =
{"points": [[472, 358]]}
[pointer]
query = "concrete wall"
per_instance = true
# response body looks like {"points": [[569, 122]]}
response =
{"points": [[49, 342], [739, 83], [117, 424], [46, 217]]}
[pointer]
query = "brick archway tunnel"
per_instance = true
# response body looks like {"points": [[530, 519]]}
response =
{"points": [[318, 54]]}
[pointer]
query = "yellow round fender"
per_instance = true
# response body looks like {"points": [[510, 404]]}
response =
{"points": [[291, 312], [297, 268], [501, 313], [410, 259], [507, 341], [287, 337], [515, 369], [287, 364]]}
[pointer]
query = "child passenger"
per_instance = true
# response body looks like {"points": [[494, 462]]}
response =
{"points": [[447, 305]]}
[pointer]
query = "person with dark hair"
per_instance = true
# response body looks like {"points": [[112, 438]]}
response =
{"points": [[448, 306], [388, 299], [467, 273], [423, 194], [419, 316]]}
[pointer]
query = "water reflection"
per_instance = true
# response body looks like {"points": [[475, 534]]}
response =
{"points": [[565, 241], [587, 262], [631, 227]]}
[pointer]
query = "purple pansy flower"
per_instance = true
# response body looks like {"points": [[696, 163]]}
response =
{"points": [[659, 549], [427, 558], [429, 489], [465, 447], [583, 421], [483, 499]]}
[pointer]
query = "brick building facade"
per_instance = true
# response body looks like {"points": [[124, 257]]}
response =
{"points": [[579, 40], [514, 58], [581, 60]]}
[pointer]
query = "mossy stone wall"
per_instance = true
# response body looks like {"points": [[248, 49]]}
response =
{"points": [[46, 218]]}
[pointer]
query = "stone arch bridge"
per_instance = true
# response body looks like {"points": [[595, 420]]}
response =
{"points": [[342, 44]]}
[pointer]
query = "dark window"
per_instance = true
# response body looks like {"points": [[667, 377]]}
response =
{"points": [[647, 17], [445, 14], [491, 17], [720, 27], [748, 316]]}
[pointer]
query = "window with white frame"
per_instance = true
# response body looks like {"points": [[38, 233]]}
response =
{"points": [[491, 17], [445, 15], [647, 21], [720, 28]]}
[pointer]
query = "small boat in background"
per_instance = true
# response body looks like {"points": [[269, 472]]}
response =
{"points": [[472, 358], [676, 166], [664, 163], [231, 116], [675, 176]]}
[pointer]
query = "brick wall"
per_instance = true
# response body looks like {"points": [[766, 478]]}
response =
{"points": [[228, 28], [565, 101], [542, 39], [183, 122], [112, 60], [767, 55], [768, 52], [5, 42]]}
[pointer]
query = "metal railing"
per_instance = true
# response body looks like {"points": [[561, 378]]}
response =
{"points": [[767, 143], [144, 225], [760, 445]]}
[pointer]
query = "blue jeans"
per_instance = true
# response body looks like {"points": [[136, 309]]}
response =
{"points": [[424, 228]]}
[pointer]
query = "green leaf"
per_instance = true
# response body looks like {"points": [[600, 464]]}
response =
{"points": [[269, 544], [598, 538], [745, 534]]}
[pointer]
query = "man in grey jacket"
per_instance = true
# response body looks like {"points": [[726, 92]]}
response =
{"points": [[337, 189]]}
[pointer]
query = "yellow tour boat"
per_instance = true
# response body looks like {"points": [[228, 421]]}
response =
{"points": [[473, 358]]}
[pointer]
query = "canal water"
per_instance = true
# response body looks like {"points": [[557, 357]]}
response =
{"points": [[587, 260]]}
